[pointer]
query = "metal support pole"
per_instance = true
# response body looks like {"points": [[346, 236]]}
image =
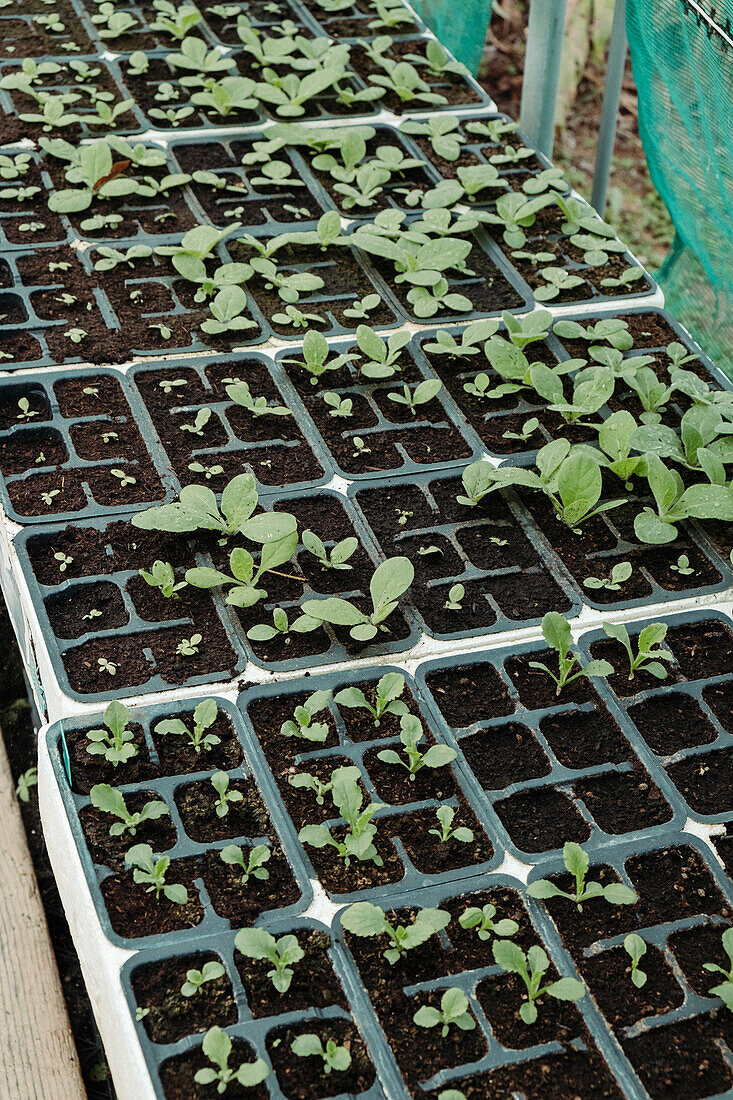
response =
{"points": [[611, 102], [542, 58]]}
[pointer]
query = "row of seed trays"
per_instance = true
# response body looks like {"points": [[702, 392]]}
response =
{"points": [[366, 532]]}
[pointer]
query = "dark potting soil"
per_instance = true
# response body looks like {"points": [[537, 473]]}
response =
{"points": [[609, 978], [705, 781], [197, 805], [670, 722], [133, 912], [313, 985], [241, 903], [109, 851], [171, 1016]]}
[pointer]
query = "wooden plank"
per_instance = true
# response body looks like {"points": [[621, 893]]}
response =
{"points": [[39, 1056]]}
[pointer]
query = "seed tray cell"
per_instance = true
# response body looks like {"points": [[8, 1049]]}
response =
{"points": [[391, 437], [277, 450], [508, 578], [560, 768], [81, 448], [324, 1005], [501, 1056], [672, 1029], [262, 207], [22, 35], [681, 725], [217, 899], [354, 21], [139, 630], [407, 813]]}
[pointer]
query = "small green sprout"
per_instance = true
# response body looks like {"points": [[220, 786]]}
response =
{"points": [[683, 566], [26, 412], [203, 416], [635, 948], [220, 783], [123, 478], [333, 1056], [115, 742], [437, 756], [387, 698], [48, 498], [365, 919], [557, 634], [725, 989], [649, 653], [282, 953], [337, 558], [483, 920], [150, 872], [453, 1010], [111, 801], [217, 1046], [195, 979], [445, 832], [619, 574], [576, 863], [189, 647], [423, 393], [94, 613], [301, 725], [456, 592], [27, 780], [254, 867], [162, 577], [204, 717], [64, 560], [532, 968]]}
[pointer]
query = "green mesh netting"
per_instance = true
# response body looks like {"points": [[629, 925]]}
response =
{"points": [[682, 56], [460, 25]]}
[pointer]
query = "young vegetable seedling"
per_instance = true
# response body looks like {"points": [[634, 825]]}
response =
{"points": [[577, 862], [649, 653], [151, 872], [204, 717], [282, 953], [619, 574], [445, 831], [532, 968], [333, 1056], [453, 1011], [217, 1046], [387, 698], [635, 948], [725, 988], [390, 580], [162, 577], [365, 919], [112, 801], [115, 743], [195, 979], [253, 867], [483, 920], [556, 632], [220, 783], [456, 592], [358, 839], [301, 725], [437, 756]]}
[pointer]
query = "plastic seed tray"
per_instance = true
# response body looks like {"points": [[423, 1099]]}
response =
{"points": [[216, 903], [82, 441], [105, 577], [410, 858]]}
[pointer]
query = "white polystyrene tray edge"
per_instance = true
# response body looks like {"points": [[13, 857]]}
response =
{"points": [[99, 959]]}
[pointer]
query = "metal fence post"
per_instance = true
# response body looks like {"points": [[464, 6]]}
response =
{"points": [[611, 102], [545, 36]]}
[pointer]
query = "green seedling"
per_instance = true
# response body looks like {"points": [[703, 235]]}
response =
{"points": [[649, 653], [204, 717], [189, 647], [63, 559], [456, 593], [281, 953], [240, 394], [683, 566], [333, 1056], [150, 872], [365, 919], [483, 920], [577, 863], [390, 580], [111, 801], [316, 359], [635, 948], [115, 741], [358, 839], [453, 1011], [445, 831], [253, 866], [302, 726], [227, 797], [27, 780], [195, 979], [556, 632], [339, 406], [423, 393], [336, 558], [531, 968], [162, 577], [724, 989], [436, 756], [386, 698], [618, 576], [26, 412], [217, 1046]]}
